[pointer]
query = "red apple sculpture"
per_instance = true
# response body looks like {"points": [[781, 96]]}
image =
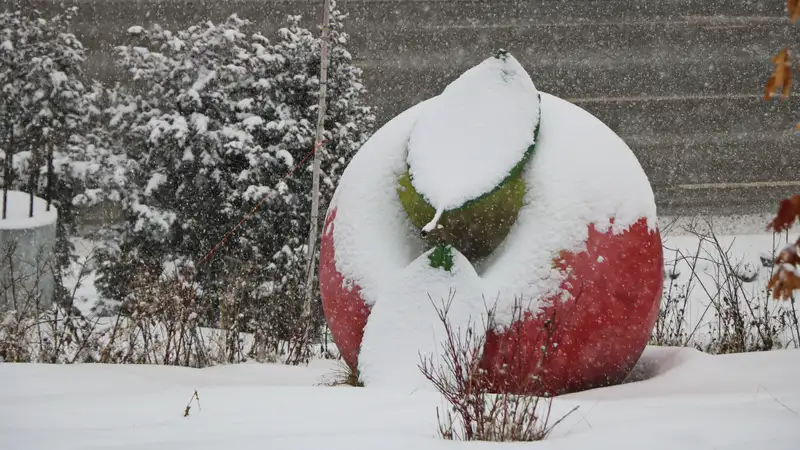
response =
{"points": [[583, 253]]}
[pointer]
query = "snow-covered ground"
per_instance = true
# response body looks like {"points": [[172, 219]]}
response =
{"points": [[690, 401]]}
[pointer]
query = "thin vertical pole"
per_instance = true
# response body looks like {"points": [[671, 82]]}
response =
{"points": [[8, 170], [49, 175], [315, 174]]}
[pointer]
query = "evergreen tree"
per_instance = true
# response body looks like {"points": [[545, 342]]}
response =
{"points": [[44, 115], [219, 116]]}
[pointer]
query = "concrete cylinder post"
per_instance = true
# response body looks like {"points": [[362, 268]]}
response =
{"points": [[26, 254]]}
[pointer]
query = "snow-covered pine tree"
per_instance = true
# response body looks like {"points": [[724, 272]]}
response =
{"points": [[185, 136], [43, 111], [89, 168], [219, 117]]}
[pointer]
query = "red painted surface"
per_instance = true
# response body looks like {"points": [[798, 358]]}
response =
{"points": [[344, 309], [593, 339], [596, 338]]}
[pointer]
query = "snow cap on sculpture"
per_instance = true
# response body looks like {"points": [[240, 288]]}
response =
{"points": [[474, 133], [477, 136]]}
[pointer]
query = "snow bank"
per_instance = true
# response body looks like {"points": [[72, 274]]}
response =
{"points": [[18, 212], [692, 402], [467, 140]]}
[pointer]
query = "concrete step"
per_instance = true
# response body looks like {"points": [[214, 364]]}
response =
{"points": [[412, 13], [591, 42], [725, 96], [654, 116], [409, 62], [694, 115], [472, 12], [406, 80], [678, 160], [540, 27], [413, 81], [722, 201]]}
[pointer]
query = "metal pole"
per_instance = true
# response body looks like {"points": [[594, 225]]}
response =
{"points": [[312, 233]]}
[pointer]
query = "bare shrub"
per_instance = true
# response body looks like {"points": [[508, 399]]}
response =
{"points": [[473, 412], [156, 325], [738, 316], [228, 339], [258, 324], [673, 326], [164, 320], [32, 331], [159, 323], [49, 336]]}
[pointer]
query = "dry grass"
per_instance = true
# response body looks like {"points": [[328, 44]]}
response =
{"points": [[344, 375], [738, 313]]}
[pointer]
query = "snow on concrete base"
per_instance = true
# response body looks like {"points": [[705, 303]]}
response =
{"points": [[18, 212], [692, 401], [29, 242]]}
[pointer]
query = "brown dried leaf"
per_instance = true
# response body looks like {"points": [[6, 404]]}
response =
{"points": [[788, 212], [793, 7], [789, 255], [783, 284], [787, 278], [781, 75]]}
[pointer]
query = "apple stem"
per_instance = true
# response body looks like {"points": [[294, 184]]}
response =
{"points": [[432, 224]]}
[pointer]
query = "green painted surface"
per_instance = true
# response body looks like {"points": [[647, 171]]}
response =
{"points": [[475, 229], [479, 226], [441, 257]]}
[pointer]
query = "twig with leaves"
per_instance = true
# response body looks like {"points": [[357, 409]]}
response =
{"points": [[787, 277]]}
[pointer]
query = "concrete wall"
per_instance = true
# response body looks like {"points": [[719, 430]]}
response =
{"points": [[26, 273], [680, 80]]}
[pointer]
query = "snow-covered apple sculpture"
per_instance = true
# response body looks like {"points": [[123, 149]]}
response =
{"points": [[498, 195]]}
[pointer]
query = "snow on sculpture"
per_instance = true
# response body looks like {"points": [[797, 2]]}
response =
{"points": [[495, 191]]}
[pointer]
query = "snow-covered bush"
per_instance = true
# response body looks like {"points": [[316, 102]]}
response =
{"points": [[214, 118]]}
